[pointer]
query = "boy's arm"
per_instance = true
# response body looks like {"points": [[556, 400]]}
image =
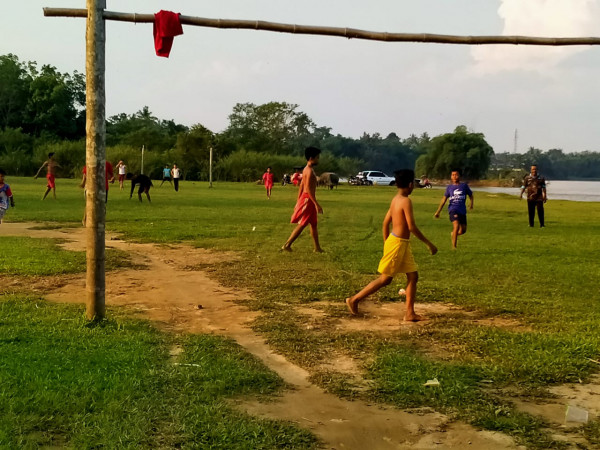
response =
{"points": [[40, 169], [471, 199], [386, 225], [442, 203], [132, 186], [412, 226], [83, 178], [312, 187]]}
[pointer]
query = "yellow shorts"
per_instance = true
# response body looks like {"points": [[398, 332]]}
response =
{"points": [[397, 257]]}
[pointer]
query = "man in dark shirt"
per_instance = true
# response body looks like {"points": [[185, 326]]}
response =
{"points": [[144, 182], [535, 185]]}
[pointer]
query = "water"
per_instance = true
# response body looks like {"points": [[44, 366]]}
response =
{"points": [[580, 191]]}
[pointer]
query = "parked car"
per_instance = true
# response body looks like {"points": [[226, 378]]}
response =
{"points": [[377, 177]]}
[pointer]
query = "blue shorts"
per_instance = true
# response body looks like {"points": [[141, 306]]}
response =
{"points": [[456, 216]]}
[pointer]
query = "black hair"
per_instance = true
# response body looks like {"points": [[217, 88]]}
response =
{"points": [[311, 152], [129, 175], [268, 167], [404, 177], [456, 169], [50, 155], [2, 172]]}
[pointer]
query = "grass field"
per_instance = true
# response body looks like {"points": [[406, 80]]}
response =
{"points": [[543, 280]]}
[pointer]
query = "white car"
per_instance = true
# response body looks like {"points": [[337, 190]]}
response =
{"points": [[376, 177]]}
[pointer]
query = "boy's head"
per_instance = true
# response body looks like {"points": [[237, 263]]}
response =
{"points": [[455, 175], [405, 179], [129, 175], [534, 169], [174, 166], [312, 154], [50, 155], [269, 169]]}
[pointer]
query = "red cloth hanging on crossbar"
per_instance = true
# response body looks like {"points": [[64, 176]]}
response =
{"points": [[166, 27]]}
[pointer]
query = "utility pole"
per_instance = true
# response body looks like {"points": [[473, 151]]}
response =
{"points": [[95, 155], [142, 168], [210, 168], [516, 139]]}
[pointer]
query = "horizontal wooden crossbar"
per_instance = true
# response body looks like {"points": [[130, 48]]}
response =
{"points": [[349, 33]]}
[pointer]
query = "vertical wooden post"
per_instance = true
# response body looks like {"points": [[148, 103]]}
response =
{"points": [[142, 166], [210, 169], [95, 156]]}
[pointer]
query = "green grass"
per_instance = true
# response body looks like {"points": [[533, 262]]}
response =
{"points": [[543, 279], [66, 383]]}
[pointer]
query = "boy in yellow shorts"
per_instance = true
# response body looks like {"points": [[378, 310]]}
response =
{"points": [[397, 256]]}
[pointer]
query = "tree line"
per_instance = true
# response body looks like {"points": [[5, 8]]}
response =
{"points": [[43, 110]]}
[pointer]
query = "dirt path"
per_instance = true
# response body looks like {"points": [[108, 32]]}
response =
{"points": [[171, 291]]}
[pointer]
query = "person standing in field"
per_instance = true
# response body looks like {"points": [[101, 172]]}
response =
{"points": [[6, 196], [51, 166], [535, 185], [145, 185], [297, 177], [175, 174], [268, 181], [122, 170], [166, 175], [397, 255], [456, 194], [307, 207]]}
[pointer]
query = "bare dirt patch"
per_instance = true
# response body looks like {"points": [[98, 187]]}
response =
{"points": [[170, 290]]}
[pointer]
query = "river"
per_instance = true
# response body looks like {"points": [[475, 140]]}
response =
{"points": [[580, 191]]}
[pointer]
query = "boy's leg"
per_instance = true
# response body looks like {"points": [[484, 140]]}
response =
{"points": [[372, 287], [531, 211], [540, 211], [411, 293], [455, 233], [46, 193], [315, 235], [147, 191], [288, 244]]}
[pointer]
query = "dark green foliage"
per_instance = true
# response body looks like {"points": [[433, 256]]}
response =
{"points": [[468, 152]]}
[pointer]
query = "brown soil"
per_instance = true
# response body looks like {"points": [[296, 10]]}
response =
{"points": [[171, 291]]}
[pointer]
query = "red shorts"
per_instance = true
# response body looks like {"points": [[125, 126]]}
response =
{"points": [[269, 185], [121, 177], [305, 211], [51, 184]]}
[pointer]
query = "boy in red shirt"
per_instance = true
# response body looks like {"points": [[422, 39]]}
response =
{"points": [[268, 181]]}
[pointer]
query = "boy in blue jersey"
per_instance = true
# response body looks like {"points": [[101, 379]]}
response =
{"points": [[457, 194]]}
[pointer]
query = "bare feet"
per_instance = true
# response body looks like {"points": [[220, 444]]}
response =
{"points": [[352, 307], [319, 250], [285, 248], [413, 318]]}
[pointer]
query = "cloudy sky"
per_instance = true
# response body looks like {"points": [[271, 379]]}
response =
{"points": [[550, 95]]}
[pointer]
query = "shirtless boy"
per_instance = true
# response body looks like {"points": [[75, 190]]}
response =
{"points": [[145, 185], [51, 166], [307, 206], [397, 256]]}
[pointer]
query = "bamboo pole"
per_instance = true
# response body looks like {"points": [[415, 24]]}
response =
{"points": [[349, 33], [95, 156]]}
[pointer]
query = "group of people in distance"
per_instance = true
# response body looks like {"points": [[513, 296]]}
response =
{"points": [[143, 182], [399, 224]]}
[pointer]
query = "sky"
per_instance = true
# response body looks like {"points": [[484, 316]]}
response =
{"points": [[551, 96]]}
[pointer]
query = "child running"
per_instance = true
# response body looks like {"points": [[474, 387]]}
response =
{"points": [[307, 206], [6, 196], [51, 166], [457, 193], [397, 255], [268, 181]]}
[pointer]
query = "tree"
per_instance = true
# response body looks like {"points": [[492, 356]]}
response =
{"points": [[276, 128], [14, 86], [462, 150]]}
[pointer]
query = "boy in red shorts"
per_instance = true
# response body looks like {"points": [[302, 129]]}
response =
{"points": [[268, 181], [307, 206], [51, 169]]}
